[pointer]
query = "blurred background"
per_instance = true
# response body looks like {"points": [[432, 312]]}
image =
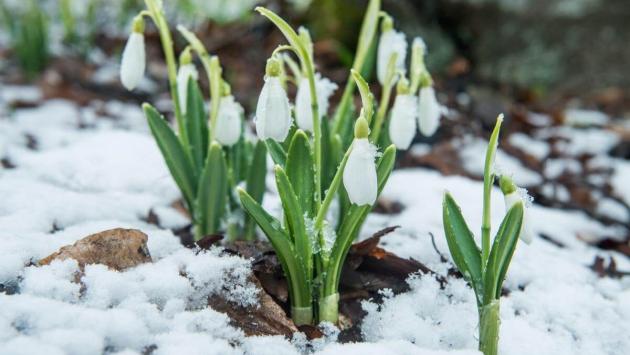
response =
{"points": [[557, 68]]}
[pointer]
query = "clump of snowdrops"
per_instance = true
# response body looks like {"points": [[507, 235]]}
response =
{"points": [[318, 162], [485, 269]]}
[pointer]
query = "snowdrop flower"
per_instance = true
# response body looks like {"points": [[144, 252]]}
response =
{"points": [[389, 43], [512, 195], [429, 111], [186, 71], [273, 114], [228, 126], [133, 57], [303, 110], [402, 124], [359, 174]]}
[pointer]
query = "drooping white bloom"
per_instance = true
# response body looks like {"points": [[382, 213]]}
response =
{"points": [[429, 111], [402, 124], [185, 72], [228, 126], [389, 43], [359, 175], [273, 114], [520, 195], [303, 110], [133, 61]]}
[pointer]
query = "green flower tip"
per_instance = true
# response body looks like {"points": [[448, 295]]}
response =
{"points": [[507, 184], [138, 24], [274, 67], [387, 24], [402, 88], [226, 89], [361, 127], [186, 56]]}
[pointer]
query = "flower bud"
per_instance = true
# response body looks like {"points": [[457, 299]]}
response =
{"points": [[359, 174], [133, 60], [303, 108], [186, 71], [228, 126], [389, 43], [402, 124], [273, 114], [428, 111], [513, 195]]}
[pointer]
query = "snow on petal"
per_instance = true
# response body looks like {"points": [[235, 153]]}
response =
{"points": [[303, 110], [228, 126], [512, 198], [273, 114], [389, 43], [402, 124], [133, 61], [185, 72], [359, 175], [429, 111]]}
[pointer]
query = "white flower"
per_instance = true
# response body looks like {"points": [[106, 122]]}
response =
{"points": [[402, 124], [359, 175], [185, 72], [520, 195], [389, 43], [273, 114], [133, 61], [429, 111], [228, 126], [303, 112]]}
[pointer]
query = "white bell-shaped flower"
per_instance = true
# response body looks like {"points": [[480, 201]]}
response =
{"points": [[390, 42], [303, 110], [359, 175], [429, 111], [133, 61], [184, 73], [512, 195], [273, 114], [402, 122], [228, 126]]}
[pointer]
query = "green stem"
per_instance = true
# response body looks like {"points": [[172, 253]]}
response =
{"points": [[488, 179], [489, 324], [329, 308], [344, 105], [332, 190], [302, 315], [381, 113], [167, 46]]}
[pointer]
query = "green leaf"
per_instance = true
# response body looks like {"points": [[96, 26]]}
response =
{"points": [[353, 220], [502, 250], [461, 243], [278, 154], [177, 161], [196, 124], [213, 190], [300, 170], [367, 34], [256, 183], [295, 220]]}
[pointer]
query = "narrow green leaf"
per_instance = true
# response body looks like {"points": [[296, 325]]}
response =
{"points": [[196, 125], [295, 220], [256, 183], [300, 170], [213, 189], [177, 161], [502, 251], [461, 243], [278, 154]]}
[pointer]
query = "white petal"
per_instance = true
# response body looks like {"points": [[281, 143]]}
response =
{"points": [[273, 114], [303, 112], [510, 200], [228, 127], [390, 42], [133, 61], [185, 72], [429, 111], [359, 175], [402, 124]]}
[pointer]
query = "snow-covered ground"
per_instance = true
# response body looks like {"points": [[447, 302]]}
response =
{"points": [[110, 174]]}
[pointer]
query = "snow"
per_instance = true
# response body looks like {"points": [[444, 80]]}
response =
{"points": [[110, 174]]}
